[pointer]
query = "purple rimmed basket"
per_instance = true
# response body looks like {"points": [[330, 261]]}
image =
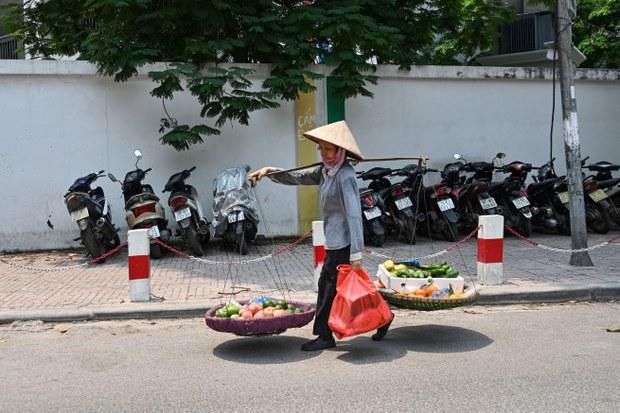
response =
{"points": [[261, 326]]}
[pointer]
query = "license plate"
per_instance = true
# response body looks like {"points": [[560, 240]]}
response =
{"points": [[234, 217], [445, 204], [372, 213], [488, 203], [80, 214], [521, 202], [403, 203], [563, 197], [598, 195], [154, 232], [181, 214]]}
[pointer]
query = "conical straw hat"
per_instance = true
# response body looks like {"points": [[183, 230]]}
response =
{"points": [[339, 134]]}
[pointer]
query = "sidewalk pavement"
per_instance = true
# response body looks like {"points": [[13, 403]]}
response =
{"points": [[59, 286]]}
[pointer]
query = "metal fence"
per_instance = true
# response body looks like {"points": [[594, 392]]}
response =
{"points": [[10, 48]]}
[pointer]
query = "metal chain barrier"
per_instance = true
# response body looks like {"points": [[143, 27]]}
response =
{"points": [[428, 256], [66, 267], [561, 250], [276, 252]]}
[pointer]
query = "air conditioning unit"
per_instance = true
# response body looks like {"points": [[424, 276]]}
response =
{"points": [[529, 32]]}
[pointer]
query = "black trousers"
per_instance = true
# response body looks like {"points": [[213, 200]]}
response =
{"points": [[327, 289]]}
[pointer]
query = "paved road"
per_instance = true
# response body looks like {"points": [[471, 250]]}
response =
{"points": [[543, 358]]}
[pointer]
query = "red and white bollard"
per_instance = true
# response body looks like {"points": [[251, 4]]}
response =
{"points": [[318, 249], [491, 249], [139, 265]]}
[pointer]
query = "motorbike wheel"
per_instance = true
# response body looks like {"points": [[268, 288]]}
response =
{"points": [[524, 226], [450, 231], [597, 219], [408, 235], [156, 251], [92, 244], [242, 245], [116, 241], [376, 240], [191, 237]]}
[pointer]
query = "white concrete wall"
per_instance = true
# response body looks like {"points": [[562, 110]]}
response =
{"points": [[56, 127], [478, 112], [60, 120]]}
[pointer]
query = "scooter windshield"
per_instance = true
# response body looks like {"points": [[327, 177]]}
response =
{"points": [[232, 192]]}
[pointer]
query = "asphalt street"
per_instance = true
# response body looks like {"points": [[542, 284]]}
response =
{"points": [[534, 358]]}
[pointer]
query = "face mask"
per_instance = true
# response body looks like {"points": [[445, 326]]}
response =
{"points": [[333, 164]]}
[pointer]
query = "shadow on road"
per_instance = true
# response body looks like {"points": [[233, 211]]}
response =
{"points": [[399, 341], [264, 350], [432, 338]]}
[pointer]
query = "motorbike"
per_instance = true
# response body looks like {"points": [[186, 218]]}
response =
{"points": [[142, 207], [549, 214], [184, 204], [440, 203], [373, 217], [610, 185], [473, 198], [595, 201], [398, 207], [235, 217], [90, 209], [511, 194]]}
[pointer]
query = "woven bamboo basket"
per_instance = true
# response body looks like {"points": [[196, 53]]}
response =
{"points": [[428, 304]]}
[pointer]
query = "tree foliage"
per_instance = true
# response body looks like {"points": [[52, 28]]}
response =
{"points": [[596, 31], [206, 42]]}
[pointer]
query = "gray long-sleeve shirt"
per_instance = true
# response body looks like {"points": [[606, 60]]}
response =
{"points": [[340, 205]]}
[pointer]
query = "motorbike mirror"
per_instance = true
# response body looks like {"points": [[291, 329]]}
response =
{"points": [[500, 155], [138, 154], [458, 157], [112, 177]]}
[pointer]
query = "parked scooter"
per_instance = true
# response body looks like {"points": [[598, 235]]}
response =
{"points": [[473, 198], [511, 194], [235, 217], [439, 203], [91, 210], [606, 182], [142, 207], [398, 205], [183, 202], [549, 214], [596, 203], [373, 214]]}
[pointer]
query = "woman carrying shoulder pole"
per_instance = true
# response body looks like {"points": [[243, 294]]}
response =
{"points": [[341, 214]]}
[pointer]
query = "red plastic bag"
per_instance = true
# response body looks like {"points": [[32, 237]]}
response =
{"points": [[358, 307]]}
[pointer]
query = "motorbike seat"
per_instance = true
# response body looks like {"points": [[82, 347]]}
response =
{"points": [[142, 197], [540, 186], [604, 167], [608, 183], [375, 173]]}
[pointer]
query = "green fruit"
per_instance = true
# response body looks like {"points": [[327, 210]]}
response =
{"points": [[232, 309], [298, 310], [235, 316], [291, 310], [221, 313], [278, 307]]}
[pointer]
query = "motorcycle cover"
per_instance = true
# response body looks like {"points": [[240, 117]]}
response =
{"points": [[232, 192], [358, 307]]}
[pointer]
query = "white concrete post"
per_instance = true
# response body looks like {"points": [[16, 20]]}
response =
{"points": [[139, 265], [491, 249]]}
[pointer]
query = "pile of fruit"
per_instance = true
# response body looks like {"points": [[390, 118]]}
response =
{"points": [[437, 269], [258, 308], [431, 290]]}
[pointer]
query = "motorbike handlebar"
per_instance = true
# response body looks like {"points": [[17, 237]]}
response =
{"points": [[192, 169], [147, 171]]}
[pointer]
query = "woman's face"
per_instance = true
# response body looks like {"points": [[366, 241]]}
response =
{"points": [[327, 150]]}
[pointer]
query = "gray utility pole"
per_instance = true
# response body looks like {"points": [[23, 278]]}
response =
{"points": [[564, 44]]}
